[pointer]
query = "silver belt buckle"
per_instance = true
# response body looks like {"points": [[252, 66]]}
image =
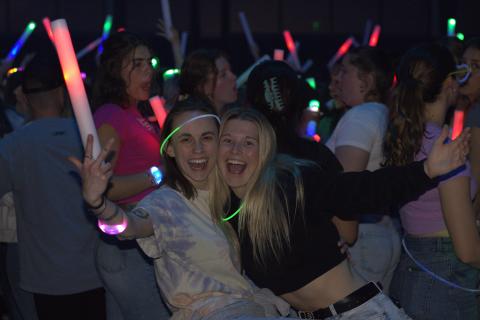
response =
{"points": [[306, 315]]}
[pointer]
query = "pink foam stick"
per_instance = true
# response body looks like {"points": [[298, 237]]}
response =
{"points": [[292, 48], [457, 129], [341, 51], [48, 27], [74, 82], [374, 36], [158, 106], [278, 54]]}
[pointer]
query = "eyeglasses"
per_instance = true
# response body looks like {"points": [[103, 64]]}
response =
{"points": [[462, 73]]}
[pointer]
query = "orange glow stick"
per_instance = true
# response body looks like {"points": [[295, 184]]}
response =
{"points": [[74, 82], [158, 106]]}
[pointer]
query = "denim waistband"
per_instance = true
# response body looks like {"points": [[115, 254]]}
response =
{"points": [[433, 244]]}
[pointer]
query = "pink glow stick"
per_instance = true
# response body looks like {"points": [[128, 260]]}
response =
{"points": [[278, 54], [340, 52], [48, 27], [457, 129], [292, 48], [374, 36], [74, 82], [158, 106]]}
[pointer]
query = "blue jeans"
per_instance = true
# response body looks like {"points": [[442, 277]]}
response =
{"points": [[376, 252], [377, 308], [129, 280], [424, 297]]}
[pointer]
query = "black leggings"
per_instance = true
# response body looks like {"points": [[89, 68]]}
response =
{"points": [[84, 305]]}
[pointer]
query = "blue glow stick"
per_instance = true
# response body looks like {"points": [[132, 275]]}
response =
{"points": [[21, 41], [107, 26]]}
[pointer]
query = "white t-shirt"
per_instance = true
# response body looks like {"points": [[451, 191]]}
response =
{"points": [[362, 127]]}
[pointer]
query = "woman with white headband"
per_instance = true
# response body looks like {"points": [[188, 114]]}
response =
{"points": [[197, 268]]}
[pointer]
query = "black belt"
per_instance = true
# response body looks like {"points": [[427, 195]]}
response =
{"points": [[353, 300]]}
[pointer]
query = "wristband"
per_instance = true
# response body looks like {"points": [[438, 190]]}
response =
{"points": [[113, 229]]}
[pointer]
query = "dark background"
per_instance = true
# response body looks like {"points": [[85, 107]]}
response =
{"points": [[320, 25]]}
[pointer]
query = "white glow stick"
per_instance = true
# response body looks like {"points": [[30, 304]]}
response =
{"points": [[244, 76], [167, 18], [73, 80], [248, 34], [183, 43]]}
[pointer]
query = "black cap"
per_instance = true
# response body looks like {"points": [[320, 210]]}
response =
{"points": [[43, 73]]}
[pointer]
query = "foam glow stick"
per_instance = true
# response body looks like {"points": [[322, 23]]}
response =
{"points": [[155, 63], [158, 106], [48, 27], [170, 73], [167, 18], [248, 34], [244, 76], [314, 105], [311, 82], [89, 48], [292, 48], [460, 36], [458, 117], [311, 128], [375, 35], [73, 80], [107, 26], [307, 65], [366, 32], [278, 54], [451, 23], [21, 41], [183, 43], [340, 52]]}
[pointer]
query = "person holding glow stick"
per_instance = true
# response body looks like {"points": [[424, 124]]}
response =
{"points": [[123, 80], [439, 266], [281, 209], [365, 80], [172, 37], [197, 262], [469, 100], [207, 74], [56, 238]]}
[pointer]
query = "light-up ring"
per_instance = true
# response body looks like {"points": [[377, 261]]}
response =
{"points": [[113, 229], [164, 143], [233, 214]]}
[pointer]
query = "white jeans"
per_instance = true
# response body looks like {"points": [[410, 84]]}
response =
{"points": [[376, 253]]}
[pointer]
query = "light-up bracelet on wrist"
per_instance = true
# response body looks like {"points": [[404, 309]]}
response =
{"points": [[113, 229]]}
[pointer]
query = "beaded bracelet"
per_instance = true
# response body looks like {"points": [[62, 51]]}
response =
{"points": [[103, 204]]}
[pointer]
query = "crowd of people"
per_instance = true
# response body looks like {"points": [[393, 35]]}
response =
{"points": [[253, 218]]}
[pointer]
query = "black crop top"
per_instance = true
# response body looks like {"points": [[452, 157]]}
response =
{"points": [[314, 249]]}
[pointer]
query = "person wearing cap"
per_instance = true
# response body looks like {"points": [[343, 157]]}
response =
{"points": [[56, 238]]}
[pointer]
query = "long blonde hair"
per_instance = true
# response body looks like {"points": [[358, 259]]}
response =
{"points": [[265, 216]]}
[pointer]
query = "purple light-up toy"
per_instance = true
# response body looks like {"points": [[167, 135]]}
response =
{"points": [[113, 229]]}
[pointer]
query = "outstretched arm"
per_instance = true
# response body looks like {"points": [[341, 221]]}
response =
{"points": [[95, 174]]}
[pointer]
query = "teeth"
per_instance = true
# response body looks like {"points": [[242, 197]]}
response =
{"points": [[197, 161], [235, 162]]}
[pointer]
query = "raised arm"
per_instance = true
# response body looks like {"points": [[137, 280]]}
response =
{"points": [[96, 174], [379, 190]]}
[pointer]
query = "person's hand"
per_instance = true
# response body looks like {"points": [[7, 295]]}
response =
{"points": [[445, 157], [95, 173], [162, 32]]}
